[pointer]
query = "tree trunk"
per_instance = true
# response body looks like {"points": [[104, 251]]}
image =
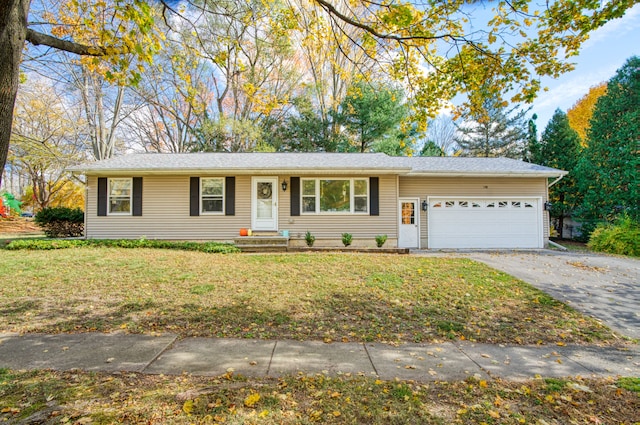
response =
{"points": [[13, 32]]}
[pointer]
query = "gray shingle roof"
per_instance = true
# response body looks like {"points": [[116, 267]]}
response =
{"points": [[476, 166], [244, 162], [254, 163]]}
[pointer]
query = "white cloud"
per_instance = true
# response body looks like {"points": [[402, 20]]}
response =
{"points": [[617, 28]]}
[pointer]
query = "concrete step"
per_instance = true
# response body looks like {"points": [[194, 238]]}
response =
{"points": [[261, 240], [263, 248], [262, 243]]}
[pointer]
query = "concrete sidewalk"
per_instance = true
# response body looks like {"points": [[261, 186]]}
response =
{"points": [[165, 354]]}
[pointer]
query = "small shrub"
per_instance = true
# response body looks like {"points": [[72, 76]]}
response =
{"points": [[347, 238], [309, 238], [623, 237], [61, 222], [380, 240], [208, 247]]}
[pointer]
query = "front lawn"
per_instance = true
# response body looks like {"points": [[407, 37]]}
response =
{"points": [[96, 398], [330, 297]]}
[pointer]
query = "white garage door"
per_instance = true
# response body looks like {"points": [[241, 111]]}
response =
{"points": [[485, 223]]}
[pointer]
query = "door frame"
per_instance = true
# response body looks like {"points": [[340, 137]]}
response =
{"points": [[417, 210], [254, 201]]}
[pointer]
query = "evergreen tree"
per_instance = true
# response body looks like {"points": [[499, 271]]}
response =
{"points": [[430, 148], [608, 170], [532, 153], [371, 113], [493, 131], [560, 148]]}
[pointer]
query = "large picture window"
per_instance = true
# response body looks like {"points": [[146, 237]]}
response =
{"points": [[212, 195], [120, 192], [335, 196]]}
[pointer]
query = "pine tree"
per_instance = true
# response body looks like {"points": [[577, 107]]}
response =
{"points": [[493, 131], [608, 170], [560, 148]]}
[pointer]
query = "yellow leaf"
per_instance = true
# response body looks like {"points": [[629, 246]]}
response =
{"points": [[263, 414], [483, 384], [251, 400], [187, 407]]}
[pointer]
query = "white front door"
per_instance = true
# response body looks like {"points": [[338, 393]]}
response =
{"points": [[264, 203], [409, 228]]}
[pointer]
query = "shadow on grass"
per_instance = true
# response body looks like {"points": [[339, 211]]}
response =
{"points": [[333, 318]]}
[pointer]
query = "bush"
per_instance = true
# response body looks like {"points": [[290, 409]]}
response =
{"points": [[208, 247], [309, 238], [622, 237], [380, 240], [61, 222], [347, 238]]}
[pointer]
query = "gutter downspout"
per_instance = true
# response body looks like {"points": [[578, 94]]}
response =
{"points": [[555, 181]]}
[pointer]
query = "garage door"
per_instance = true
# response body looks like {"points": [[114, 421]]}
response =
{"points": [[484, 223]]}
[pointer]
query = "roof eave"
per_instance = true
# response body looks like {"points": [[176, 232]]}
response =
{"points": [[486, 174]]}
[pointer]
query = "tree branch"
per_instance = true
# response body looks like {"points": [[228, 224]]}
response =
{"points": [[38, 38], [332, 10]]}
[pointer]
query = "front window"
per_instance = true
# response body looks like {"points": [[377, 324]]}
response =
{"points": [[211, 195], [335, 196], [120, 196]]}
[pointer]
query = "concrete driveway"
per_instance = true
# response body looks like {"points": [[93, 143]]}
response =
{"points": [[604, 287]]}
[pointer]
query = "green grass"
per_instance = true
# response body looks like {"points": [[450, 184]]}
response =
{"points": [[330, 297], [97, 398]]}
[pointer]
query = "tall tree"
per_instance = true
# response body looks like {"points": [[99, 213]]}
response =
{"points": [[370, 113], [581, 112], [15, 29], [493, 131], [520, 44], [175, 95], [608, 171], [532, 152], [441, 136], [560, 148], [47, 137]]}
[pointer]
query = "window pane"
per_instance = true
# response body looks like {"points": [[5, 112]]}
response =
{"points": [[361, 204], [408, 213], [120, 187], [360, 187], [212, 205], [119, 205], [309, 187], [335, 195], [211, 186], [309, 204]]}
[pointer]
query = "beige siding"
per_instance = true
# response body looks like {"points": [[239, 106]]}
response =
{"points": [[165, 215], [423, 187]]}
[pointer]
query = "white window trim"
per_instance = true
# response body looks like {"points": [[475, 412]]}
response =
{"points": [[130, 212], [224, 196], [351, 196]]}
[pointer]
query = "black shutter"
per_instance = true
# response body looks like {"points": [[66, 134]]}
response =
{"points": [[137, 196], [295, 196], [230, 196], [102, 196], [194, 196], [374, 202]]}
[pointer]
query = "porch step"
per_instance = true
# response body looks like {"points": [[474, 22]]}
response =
{"points": [[262, 243]]}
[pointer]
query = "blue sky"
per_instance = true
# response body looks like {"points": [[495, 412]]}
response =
{"points": [[606, 51]]}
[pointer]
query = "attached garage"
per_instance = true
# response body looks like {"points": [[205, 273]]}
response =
{"points": [[505, 222]]}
